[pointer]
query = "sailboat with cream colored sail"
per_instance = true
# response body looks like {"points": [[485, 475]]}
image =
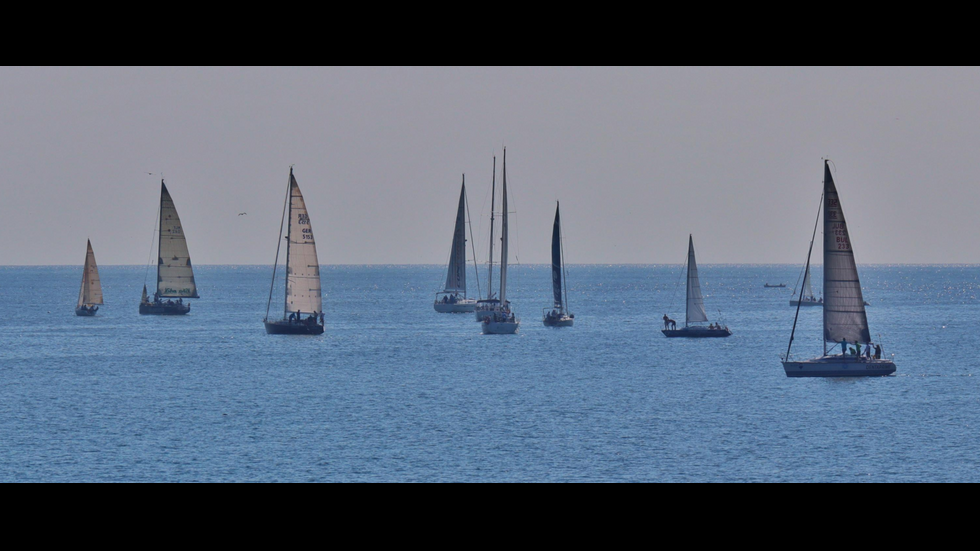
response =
{"points": [[558, 315], [845, 320], [90, 295], [303, 305], [695, 307], [806, 298], [449, 299], [175, 276], [502, 322]]}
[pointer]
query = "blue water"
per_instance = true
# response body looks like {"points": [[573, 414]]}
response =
{"points": [[393, 391]]}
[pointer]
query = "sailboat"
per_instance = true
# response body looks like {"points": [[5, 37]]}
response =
{"points": [[502, 322], [844, 318], [304, 300], [695, 306], [558, 315], [489, 306], [806, 298], [451, 302], [175, 276], [90, 295]]}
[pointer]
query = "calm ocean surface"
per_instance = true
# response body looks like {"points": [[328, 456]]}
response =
{"points": [[393, 391]]}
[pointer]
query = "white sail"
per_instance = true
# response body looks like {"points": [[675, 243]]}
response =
{"points": [[175, 277], [807, 286], [844, 317], [302, 267], [456, 275], [503, 239], [695, 303], [91, 291]]}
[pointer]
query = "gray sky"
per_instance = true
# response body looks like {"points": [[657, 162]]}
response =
{"points": [[638, 156]]}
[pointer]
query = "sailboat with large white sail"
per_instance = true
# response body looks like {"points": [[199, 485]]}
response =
{"points": [[90, 295], [502, 322], [695, 306], [303, 305], [558, 315], [175, 276], [449, 299], [806, 298], [845, 320]]}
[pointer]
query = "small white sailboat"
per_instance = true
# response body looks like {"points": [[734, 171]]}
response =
{"points": [[303, 306], [558, 315], [449, 299], [844, 318], [806, 298], [491, 306], [695, 307], [175, 276], [90, 295], [502, 322]]}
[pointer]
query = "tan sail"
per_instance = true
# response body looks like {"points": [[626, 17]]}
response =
{"points": [[303, 293], [175, 276], [91, 290]]}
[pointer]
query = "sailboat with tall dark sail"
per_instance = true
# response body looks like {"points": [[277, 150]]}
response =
{"points": [[502, 321], [303, 305], [695, 306], [449, 299], [90, 295], [175, 276], [558, 315], [845, 320]]}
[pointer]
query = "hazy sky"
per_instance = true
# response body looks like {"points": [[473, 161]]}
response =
{"points": [[638, 156]]}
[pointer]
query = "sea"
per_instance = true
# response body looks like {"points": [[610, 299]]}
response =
{"points": [[395, 392]]}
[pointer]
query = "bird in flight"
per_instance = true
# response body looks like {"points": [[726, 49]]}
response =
{"points": [[242, 213]]}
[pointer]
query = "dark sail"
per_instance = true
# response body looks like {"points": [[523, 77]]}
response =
{"points": [[556, 259]]}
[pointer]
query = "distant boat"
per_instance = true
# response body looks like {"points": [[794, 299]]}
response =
{"points": [[90, 295], [844, 318], [695, 306], [501, 322], [451, 301], [558, 315], [771, 286], [175, 276], [806, 298], [303, 305]]}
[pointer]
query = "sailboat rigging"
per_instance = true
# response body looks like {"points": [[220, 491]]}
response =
{"points": [[90, 294], [845, 320], [303, 304], [695, 312], [558, 315], [501, 320], [175, 276]]}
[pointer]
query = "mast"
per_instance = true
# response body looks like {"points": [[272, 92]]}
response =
{"points": [[289, 231], [469, 219], [503, 239], [282, 222], [493, 191]]}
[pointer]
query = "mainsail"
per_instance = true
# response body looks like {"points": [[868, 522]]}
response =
{"points": [[302, 268], [503, 239], [844, 317], [91, 291], [456, 276], [695, 303], [556, 259], [175, 277], [807, 286]]}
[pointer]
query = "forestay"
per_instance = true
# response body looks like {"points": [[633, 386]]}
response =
{"points": [[844, 317], [695, 303], [175, 277], [302, 267]]}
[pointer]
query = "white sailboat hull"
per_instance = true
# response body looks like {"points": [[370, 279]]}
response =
{"points": [[795, 302], [483, 311], [491, 327], [559, 321], [839, 366], [460, 307]]}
